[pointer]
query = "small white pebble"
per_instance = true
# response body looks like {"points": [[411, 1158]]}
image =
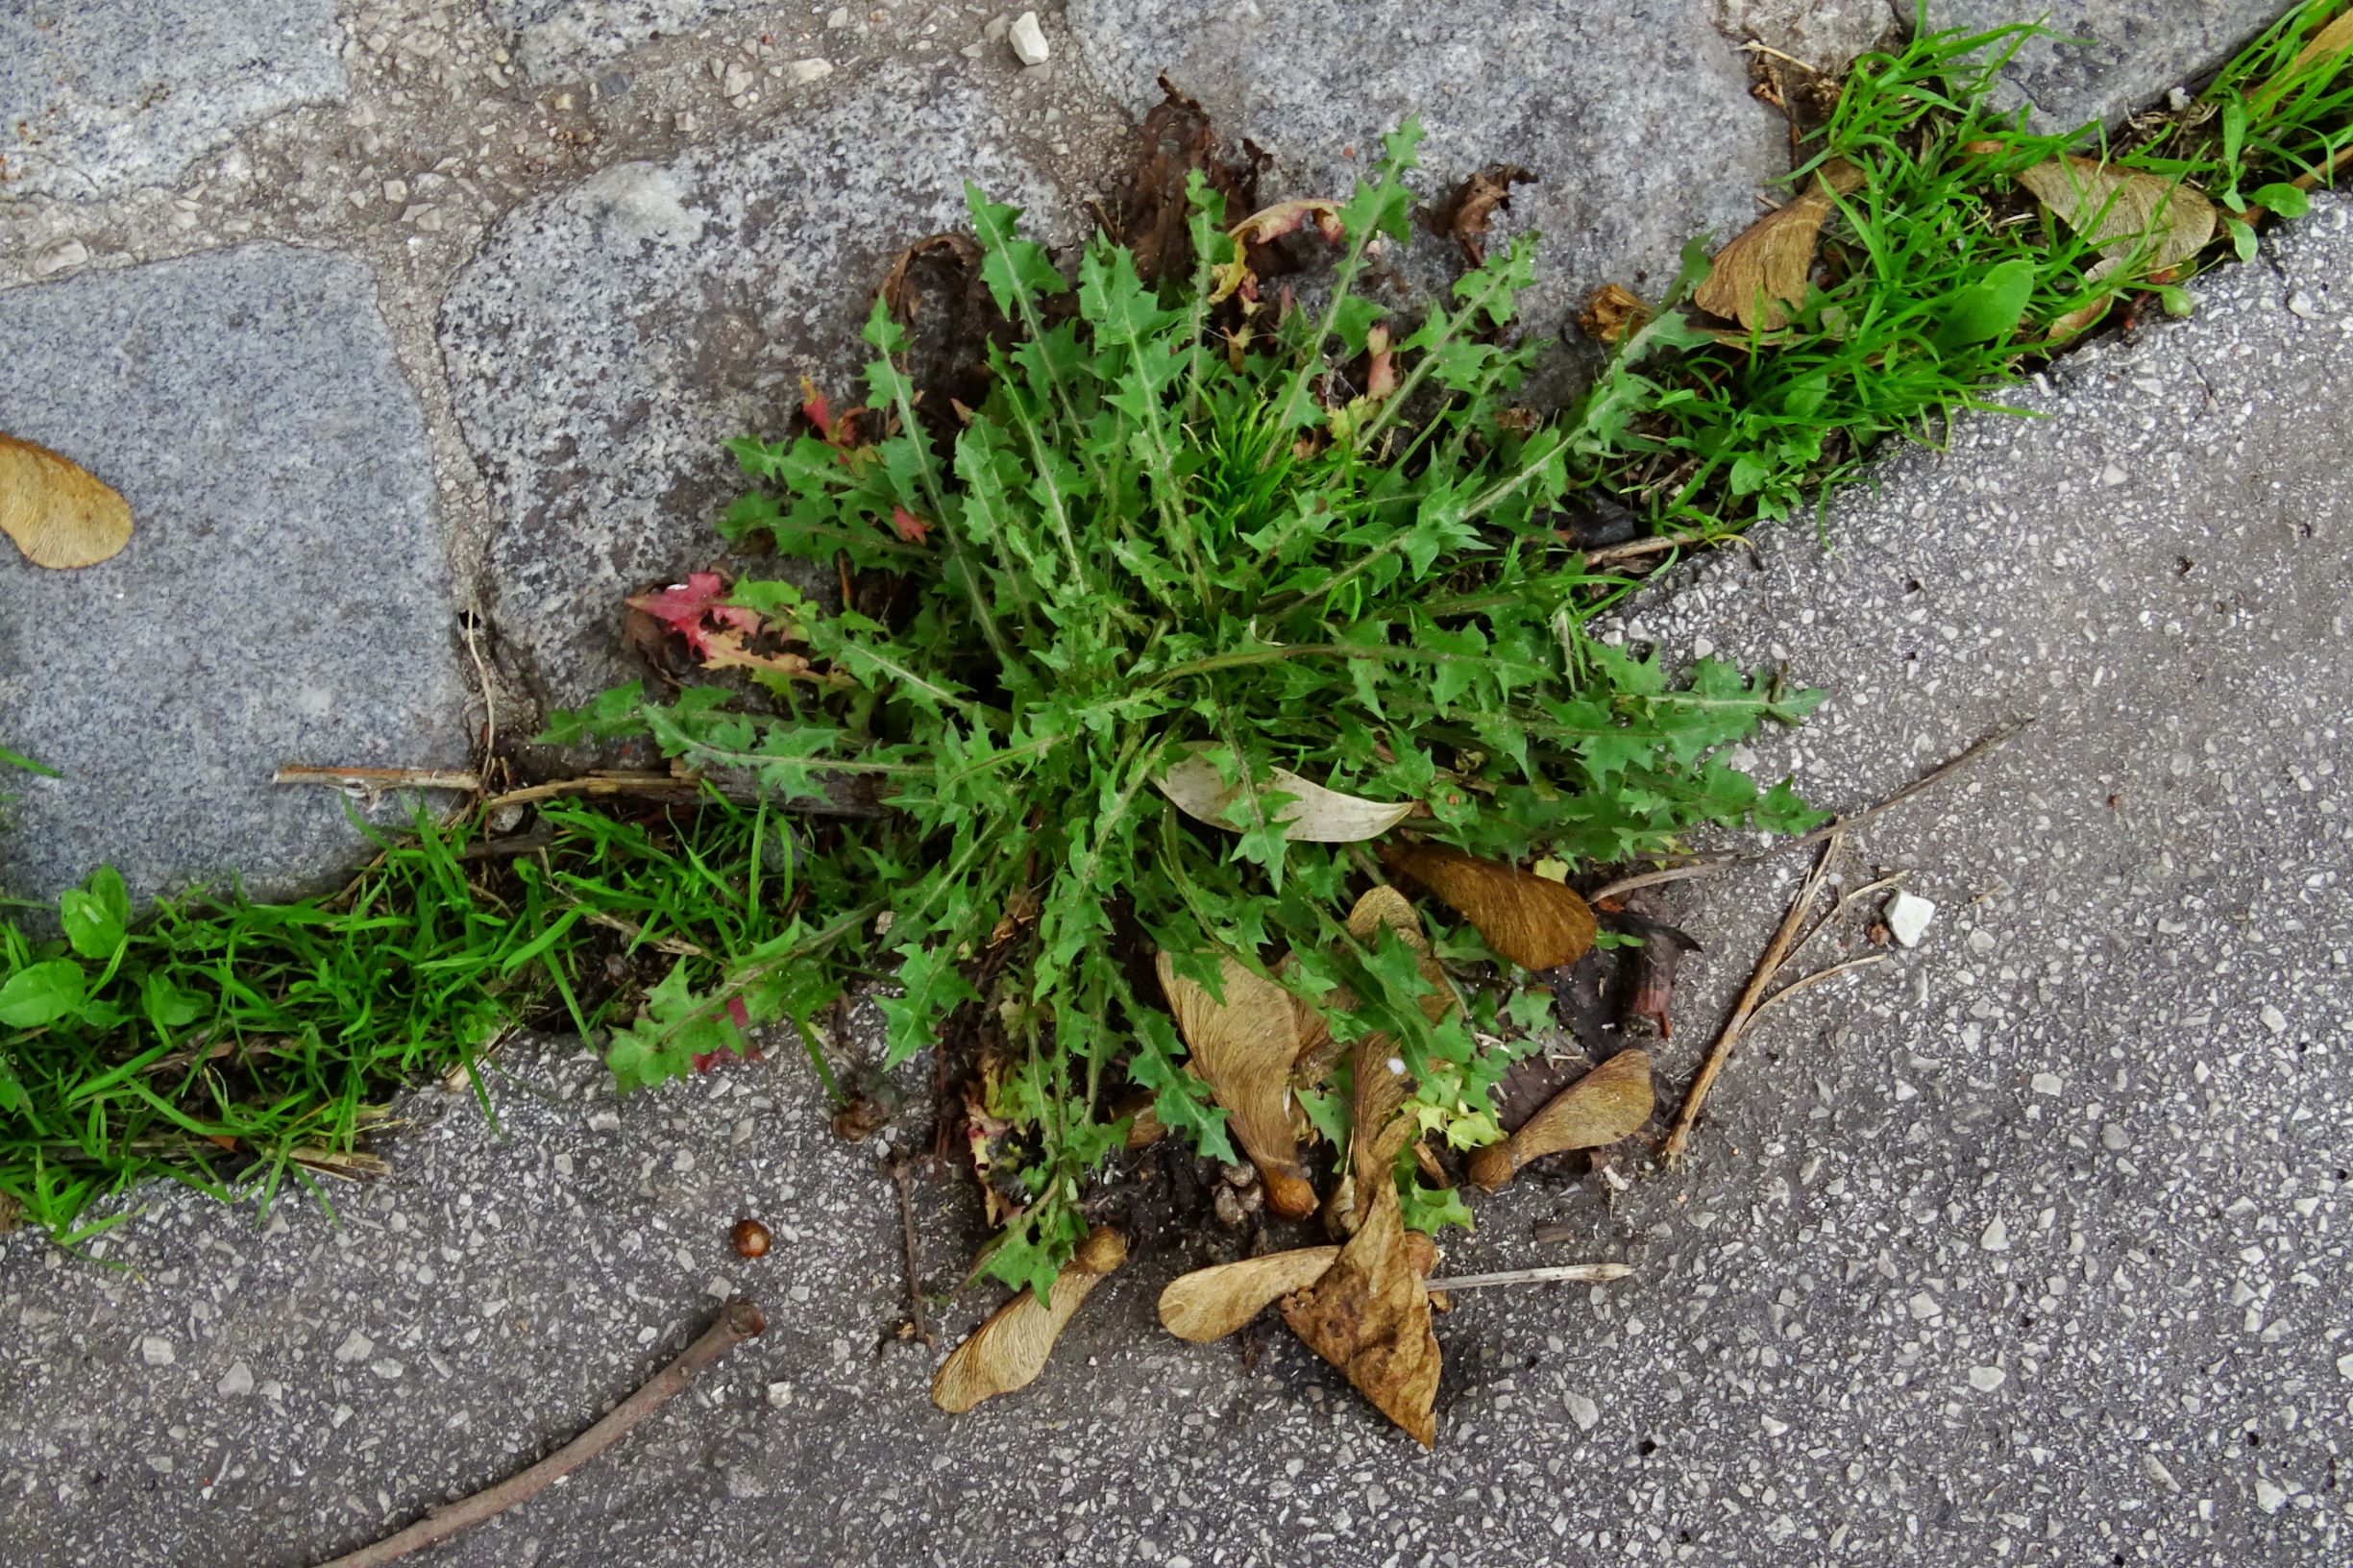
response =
{"points": [[801, 72], [2048, 1083], [2269, 1498], [1583, 1411], [238, 1380], [356, 1347], [2273, 1020], [1028, 39], [158, 1351], [1774, 1428], [1907, 915], [780, 1394], [1997, 1237], [1986, 1379]]}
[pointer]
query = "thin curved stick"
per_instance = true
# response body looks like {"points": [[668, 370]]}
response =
{"points": [[738, 1322]]}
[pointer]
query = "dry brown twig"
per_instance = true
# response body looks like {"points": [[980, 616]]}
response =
{"points": [[737, 1322], [915, 1273], [1752, 998]]}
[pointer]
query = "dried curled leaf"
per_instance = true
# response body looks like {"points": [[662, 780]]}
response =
{"points": [[1534, 921], [57, 512], [1760, 276], [1605, 1104], [1243, 1048], [1611, 313], [1370, 1315], [1469, 214], [1010, 1350], [2124, 211], [1314, 814]]}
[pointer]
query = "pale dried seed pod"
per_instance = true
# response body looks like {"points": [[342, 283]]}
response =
{"points": [[1604, 1106], [1010, 1348]]}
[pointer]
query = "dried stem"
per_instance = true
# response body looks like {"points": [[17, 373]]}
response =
{"points": [[375, 781], [738, 1322], [1752, 998], [915, 1273], [1554, 1274]]}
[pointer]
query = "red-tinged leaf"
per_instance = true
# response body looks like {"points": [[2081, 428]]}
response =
{"points": [[687, 607], [908, 526], [741, 1017], [813, 408]]}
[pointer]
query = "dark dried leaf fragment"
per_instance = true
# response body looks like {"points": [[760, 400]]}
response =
{"points": [[1469, 214]]}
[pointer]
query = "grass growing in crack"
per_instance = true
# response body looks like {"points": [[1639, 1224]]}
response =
{"points": [[220, 1032], [1321, 544], [1709, 431]]}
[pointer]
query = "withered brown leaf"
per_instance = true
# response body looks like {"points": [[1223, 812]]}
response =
{"points": [[1611, 312], [1760, 276], [1008, 1350], [57, 512], [1535, 922], [1469, 214], [2125, 212], [1243, 1049], [1370, 1315]]}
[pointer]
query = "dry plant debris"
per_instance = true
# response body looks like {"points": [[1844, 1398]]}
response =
{"points": [[1370, 1315], [1761, 274], [1242, 1047], [1607, 1104], [1312, 814], [1532, 920], [1008, 1350], [57, 512]]}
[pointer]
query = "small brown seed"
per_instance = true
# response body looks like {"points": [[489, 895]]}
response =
{"points": [[750, 1239]]}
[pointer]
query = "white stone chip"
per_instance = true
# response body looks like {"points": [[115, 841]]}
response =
{"points": [[1774, 1428], [156, 1350], [2273, 1018], [238, 1380], [2344, 1367], [1986, 1379], [2269, 1498], [356, 1347], [1997, 1237], [2048, 1083], [1907, 915], [1583, 1411], [1028, 39], [801, 72]]}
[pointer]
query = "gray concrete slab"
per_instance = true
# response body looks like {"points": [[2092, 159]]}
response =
{"points": [[611, 336], [2028, 1246], [1635, 118], [98, 96], [2111, 58], [284, 596]]}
